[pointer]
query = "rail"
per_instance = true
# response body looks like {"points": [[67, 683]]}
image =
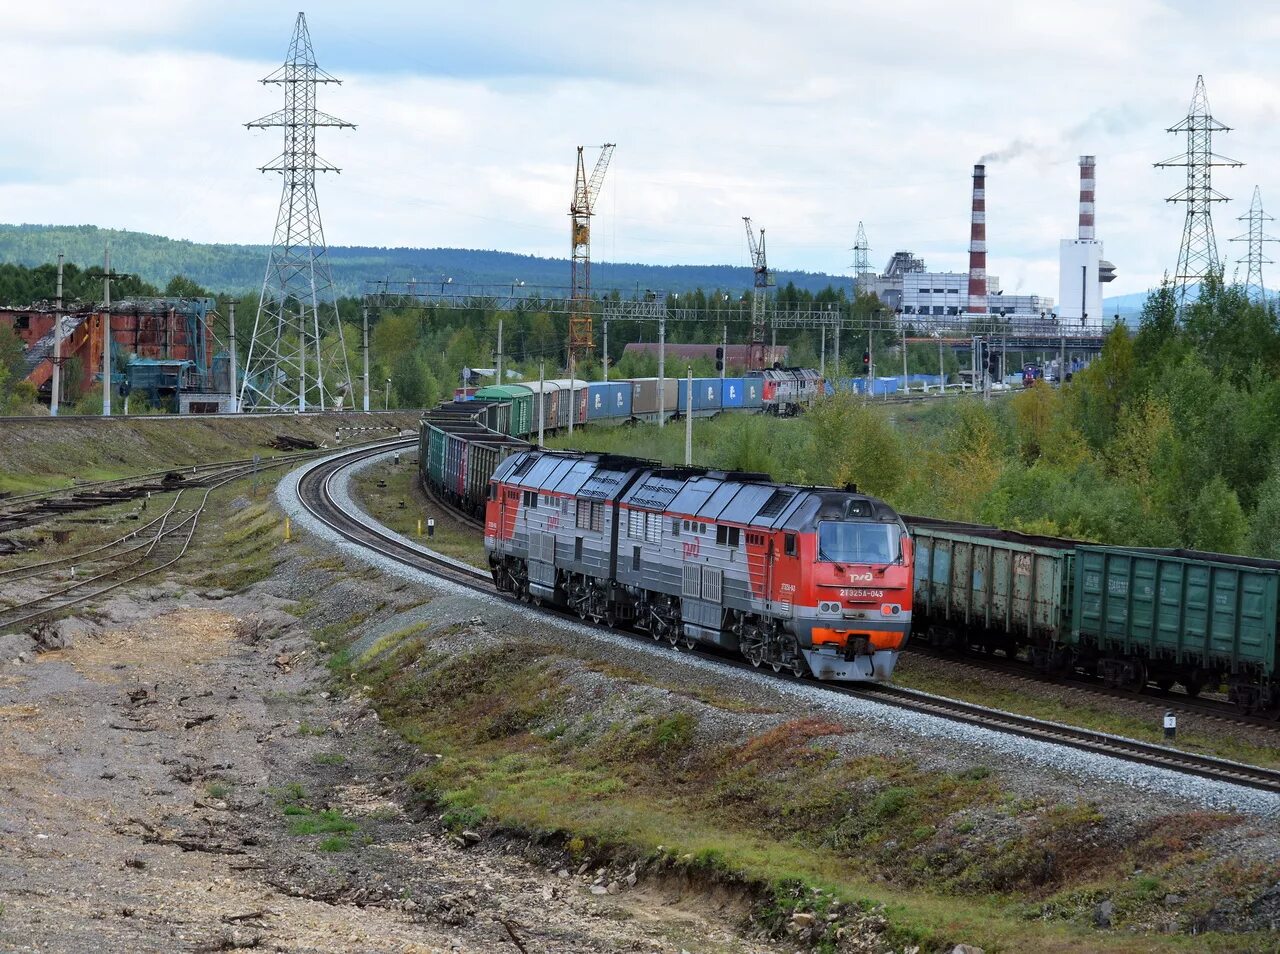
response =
{"points": [[316, 496]]}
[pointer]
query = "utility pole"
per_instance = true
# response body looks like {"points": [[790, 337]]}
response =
{"points": [[905, 386], [364, 321], [871, 364], [573, 403], [542, 405], [942, 368], [837, 349], [688, 420], [56, 388], [822, 353], [106, 334], [499, 355], [231, 346], [724, 352], [604, 352], [662, 371]]}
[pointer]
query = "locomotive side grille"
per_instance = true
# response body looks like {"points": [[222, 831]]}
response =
{"points": [[692, 583], [712, 584]]}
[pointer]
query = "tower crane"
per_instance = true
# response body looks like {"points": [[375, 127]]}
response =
{"points": [[585, 190], [763, 279]]}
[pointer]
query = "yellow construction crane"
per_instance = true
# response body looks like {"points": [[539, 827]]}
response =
{"points": [[580, 211]]}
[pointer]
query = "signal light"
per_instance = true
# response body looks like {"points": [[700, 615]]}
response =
{"points": [[719, 359], [866, 361]]}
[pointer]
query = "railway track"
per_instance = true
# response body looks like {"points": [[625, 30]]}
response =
{"points": [[315, 493], [145, 551]]}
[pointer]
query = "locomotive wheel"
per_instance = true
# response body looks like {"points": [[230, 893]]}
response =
{"points": [[611, 616], [776, 665], [689, 642]]}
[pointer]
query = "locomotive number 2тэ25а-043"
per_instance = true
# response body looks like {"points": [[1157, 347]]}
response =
{"points": [[803, 579]]}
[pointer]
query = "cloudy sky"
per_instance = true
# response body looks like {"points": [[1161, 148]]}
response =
{"points": [[808, 116]]}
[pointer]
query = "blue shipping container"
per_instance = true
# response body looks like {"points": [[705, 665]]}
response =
{"points": [[607, 401], [751, 388], [732, 394], [706, 395]]}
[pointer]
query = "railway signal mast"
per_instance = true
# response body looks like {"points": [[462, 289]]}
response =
{"points": [[763, 279], [585, 190]]}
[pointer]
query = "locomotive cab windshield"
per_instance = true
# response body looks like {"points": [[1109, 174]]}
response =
{"points": [[859, 542]]}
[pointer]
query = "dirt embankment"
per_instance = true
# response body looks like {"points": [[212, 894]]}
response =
{"points": [[182, 776], [37, 455]]}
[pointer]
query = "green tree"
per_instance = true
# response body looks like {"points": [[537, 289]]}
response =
{"points": [[1219, 524], [1264, 529]]}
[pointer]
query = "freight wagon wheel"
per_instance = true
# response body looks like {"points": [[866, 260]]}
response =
{"points": [[1139, 682], [1164, 685]]}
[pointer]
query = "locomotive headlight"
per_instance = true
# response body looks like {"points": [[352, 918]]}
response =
{"points": [[828, 607], [890, 609]]}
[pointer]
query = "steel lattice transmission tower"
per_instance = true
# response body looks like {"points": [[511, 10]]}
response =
{"points": [[1254, 259], [298, 347], [1198, 256], [762, 280], [861, 262], [585, 191]]}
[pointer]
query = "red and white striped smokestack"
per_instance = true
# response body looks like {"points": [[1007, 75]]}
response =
{"points": [[1087, 173], [978, 244]]}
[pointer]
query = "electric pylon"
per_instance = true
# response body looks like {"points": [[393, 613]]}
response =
{"points": [[1198, 255], [861, 262], [1254, 259], [297, 348], [581, 337]]}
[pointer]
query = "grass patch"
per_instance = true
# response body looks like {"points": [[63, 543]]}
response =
{"points": [[452, 538], [1099, 715], [783, 809], [328, 758], [325, 822]]}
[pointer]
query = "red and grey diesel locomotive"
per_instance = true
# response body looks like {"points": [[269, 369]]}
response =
{"points": [[803, 579]]}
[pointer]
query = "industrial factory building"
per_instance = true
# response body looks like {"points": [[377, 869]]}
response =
{"points": [[907, 287], [161, 349]]}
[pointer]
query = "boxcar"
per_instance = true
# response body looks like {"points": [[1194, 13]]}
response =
{"points": [[1179, 616], [993, 588]]}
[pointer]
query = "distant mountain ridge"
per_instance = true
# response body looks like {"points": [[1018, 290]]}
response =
{"points": [[239, 268]]}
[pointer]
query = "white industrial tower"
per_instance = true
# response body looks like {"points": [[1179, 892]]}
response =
{"points": [[297, 353], [1081, 267]]}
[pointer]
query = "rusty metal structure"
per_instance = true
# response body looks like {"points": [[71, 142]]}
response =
{"points": [[762, 280], [585, 191]]}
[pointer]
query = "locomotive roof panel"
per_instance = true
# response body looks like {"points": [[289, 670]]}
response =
{"points": [[745, 505], [654, 491]]}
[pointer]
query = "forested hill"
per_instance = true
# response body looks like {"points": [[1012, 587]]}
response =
{"points": [[239, 268]]}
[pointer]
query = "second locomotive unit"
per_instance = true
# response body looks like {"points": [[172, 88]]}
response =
{"points": [[803, 579]]}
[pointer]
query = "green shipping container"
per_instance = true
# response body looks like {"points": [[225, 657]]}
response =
{"points": [[1004, 588], [1208, 609]]}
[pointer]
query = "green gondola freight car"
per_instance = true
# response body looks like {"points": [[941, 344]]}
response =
{"points": [[1183, 616], [435, 455], [996, 589], [520, 420]]}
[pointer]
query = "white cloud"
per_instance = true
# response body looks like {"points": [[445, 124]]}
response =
{"points": [[809, 120]]}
